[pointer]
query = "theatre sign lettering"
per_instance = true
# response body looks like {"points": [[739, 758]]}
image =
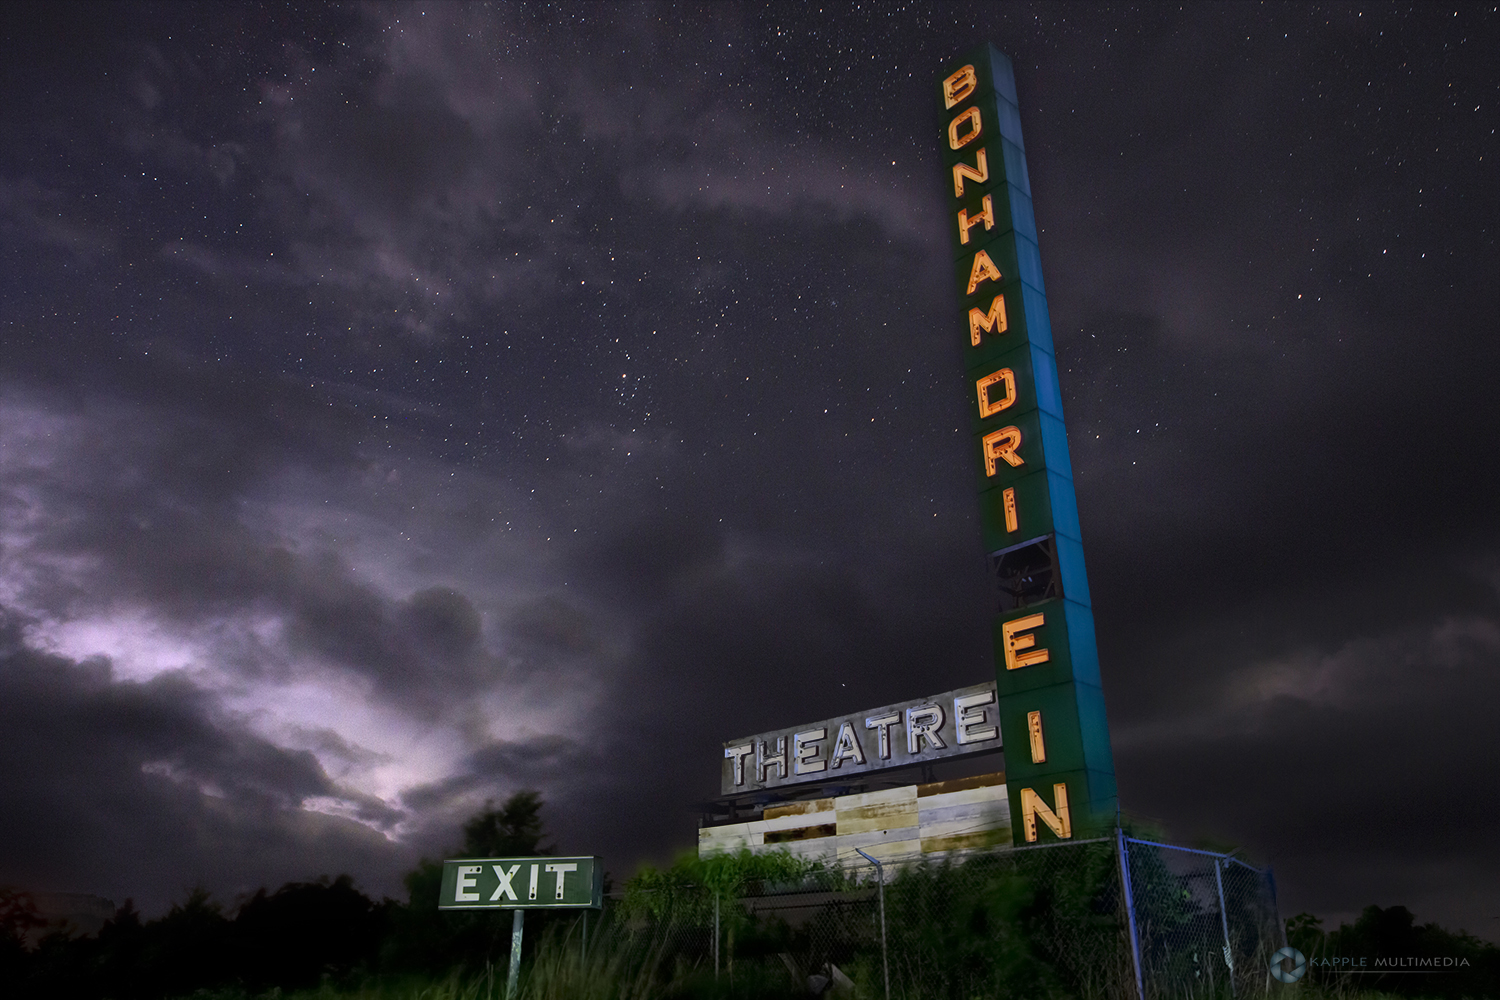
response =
{"points": [[1059, 768], [952, 724]]}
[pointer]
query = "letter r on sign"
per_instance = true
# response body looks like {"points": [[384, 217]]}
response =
{"points": [[1002, 444]]}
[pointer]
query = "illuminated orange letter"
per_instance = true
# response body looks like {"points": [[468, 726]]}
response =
{"points": [[959, 86], [1002, 444], [972, 117], [1013, 643], [987, 216], [1038, 747], [1058, 822], [978, 173], [988, 408], [983, 269], [1012, 523], [990, 322]]}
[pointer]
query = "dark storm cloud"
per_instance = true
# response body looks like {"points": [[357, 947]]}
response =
{"points": [[1334, 763], [153, 495], [145, 790], [491, 351], [494, 769]]}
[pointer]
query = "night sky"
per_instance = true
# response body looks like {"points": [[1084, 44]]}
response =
{"points": [[401, 406]]}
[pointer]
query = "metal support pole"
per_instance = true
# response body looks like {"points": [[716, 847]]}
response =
{"points": [[516, 925], [1224, 920], [716, 937], [1276, 908], [1135, 941], [885, 959], [584, 951]]}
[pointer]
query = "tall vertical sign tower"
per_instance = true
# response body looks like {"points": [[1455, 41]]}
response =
{"points": [[1060, 771]]}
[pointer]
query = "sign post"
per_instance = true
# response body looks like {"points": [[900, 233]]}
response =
{"points": [[521, 884], [1060, 773]]}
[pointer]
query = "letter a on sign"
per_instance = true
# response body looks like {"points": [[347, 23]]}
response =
{"points": [[982, 270]]}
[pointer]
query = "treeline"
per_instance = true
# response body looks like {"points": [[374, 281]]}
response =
{"points": [[302, 935], [1424, 960]]}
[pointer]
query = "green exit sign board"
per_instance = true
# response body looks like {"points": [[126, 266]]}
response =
{"points": [[1060, 773], [522, 884]]}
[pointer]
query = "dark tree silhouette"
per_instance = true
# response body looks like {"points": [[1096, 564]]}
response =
{"points": [[299, 936], [425, 939], [304, 930], [512, 830]]}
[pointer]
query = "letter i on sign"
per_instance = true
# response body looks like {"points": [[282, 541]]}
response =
{"points": [[1038, 747], [1012, 522]]}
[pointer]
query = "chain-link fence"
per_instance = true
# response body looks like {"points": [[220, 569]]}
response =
{"points": [[1050, 920], [1206, 924]]}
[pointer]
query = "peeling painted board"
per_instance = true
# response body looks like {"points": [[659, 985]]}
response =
{"points": [[885, 810], [894, 849], [869, 837], [906, 793], [966, 841], [861, 821], [965, 825], [972, 796], [798, 808], [962, 784], [798, 820], [963, 810], [794, 834], [715, 839]]}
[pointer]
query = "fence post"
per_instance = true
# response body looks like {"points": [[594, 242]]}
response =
{"points": [[1135, 941], [716, 937], [885, 959], [1276, 907], [1224, 920]]}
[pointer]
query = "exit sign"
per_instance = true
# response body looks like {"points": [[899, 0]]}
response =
{"points": [[522, 884]]}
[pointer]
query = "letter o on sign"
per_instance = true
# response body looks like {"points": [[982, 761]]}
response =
{"points": [[1281, 973]]}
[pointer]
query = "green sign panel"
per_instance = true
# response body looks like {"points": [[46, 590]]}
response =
{"points": [[522, 884], [1059, 768]]}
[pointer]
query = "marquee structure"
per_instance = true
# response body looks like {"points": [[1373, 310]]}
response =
{"points": [[1046, 704]]}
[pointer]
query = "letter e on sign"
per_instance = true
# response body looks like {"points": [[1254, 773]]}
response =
{"points": [[970, 718], [1016, 636], [468, 879]]}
